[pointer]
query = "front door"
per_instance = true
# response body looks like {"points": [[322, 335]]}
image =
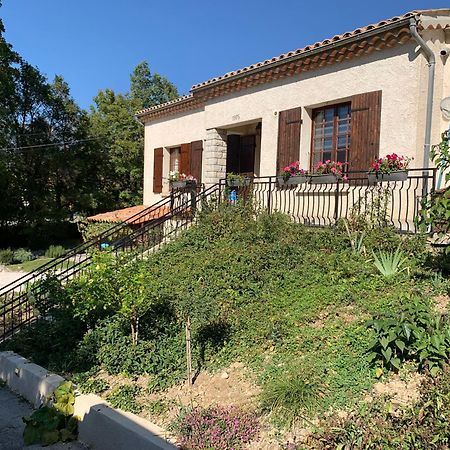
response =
{"points": [[241, 154]]}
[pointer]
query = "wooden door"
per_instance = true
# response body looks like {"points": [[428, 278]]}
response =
{"points": [[247, 155], [233, 147]]}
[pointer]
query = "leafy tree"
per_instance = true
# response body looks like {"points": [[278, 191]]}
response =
{"points": [[57, 160], [150, 89], [112, 116], [121, 148]]}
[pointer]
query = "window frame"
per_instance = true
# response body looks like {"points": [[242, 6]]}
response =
{"points": [[172, 158], [335, 135]]}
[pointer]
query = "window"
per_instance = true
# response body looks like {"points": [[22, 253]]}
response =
{"points": [[175, 157], [331, 134]]}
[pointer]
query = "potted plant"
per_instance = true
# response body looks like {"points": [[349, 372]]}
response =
{"points": [[181, 181], [328, 172], [236, 180], [392, 167], [293, 175]]}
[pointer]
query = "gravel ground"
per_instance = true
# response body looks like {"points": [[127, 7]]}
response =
{"points": [[7, 277], [12, 409]]}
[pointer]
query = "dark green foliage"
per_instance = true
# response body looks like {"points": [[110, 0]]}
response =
{"points": [[54, 421], [416, 334], [90, 385], [124, 397], [51, 344], [54, 251], [22, 255], [6, 256], [58, 161]]}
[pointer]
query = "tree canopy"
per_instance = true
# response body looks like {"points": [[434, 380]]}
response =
{"points": [[58, 160]]}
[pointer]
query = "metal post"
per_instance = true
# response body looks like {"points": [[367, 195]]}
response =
{"points": [[336, 201], [269, 196], [193, 199]]}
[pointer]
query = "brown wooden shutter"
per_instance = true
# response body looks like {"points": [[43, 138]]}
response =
{"points": [[365, 130], [157, 170], [196, 160], [185, 159], [289, 124]]}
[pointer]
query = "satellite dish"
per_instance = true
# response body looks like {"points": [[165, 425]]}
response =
{"points": [[445, 107]]}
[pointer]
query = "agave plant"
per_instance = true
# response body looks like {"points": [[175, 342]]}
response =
{"points": [[356, 239], [389, 263]]}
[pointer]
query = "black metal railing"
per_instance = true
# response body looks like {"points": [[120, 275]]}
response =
{"points": [[142, 233], [395, 203]]}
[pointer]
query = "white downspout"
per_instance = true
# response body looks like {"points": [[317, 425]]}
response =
{"points": [[429, 55]]}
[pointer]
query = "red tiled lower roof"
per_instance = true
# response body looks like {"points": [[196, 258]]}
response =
{"points": [[133, 214]]}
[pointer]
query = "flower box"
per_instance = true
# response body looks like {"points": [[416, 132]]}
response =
{"points": [[183, 184], [238, 183], [324, 179], [379, 177], [292, 180]]}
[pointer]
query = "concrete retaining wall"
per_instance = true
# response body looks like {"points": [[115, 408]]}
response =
{"points": [[29, 380], [101, 427]]}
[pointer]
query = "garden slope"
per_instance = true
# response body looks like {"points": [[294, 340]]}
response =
{"points": [[287, 302]]}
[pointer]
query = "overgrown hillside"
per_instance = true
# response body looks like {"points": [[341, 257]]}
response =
{"points": [[284, 305]]}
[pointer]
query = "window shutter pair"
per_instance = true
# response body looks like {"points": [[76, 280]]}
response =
{"points": [[364, 134], [190, 163]]}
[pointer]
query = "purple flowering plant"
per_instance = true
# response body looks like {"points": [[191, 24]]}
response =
{"points": [[216, 427]]}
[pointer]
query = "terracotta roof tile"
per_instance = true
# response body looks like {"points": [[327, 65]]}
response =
{"points": [[183, 98], [127, 214]]}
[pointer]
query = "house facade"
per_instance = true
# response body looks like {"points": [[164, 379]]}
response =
{"points": [[350, 98]]}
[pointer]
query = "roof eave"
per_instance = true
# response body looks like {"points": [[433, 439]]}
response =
{"points": [[308, 53]]}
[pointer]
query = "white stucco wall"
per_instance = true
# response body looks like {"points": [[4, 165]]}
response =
{"points": [[400, 73], [178, 130]]}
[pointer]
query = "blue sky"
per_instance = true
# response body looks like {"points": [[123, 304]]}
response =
{"points": [[95, 44]]}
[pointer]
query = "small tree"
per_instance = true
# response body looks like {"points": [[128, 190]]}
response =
{"points": [[195, 305], [138, 292]]}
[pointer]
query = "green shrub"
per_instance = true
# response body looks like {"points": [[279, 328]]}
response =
{"points": [[88, 385], [22, 255], [414, 334], [55, 251], [6, 256], [292, 396], [124, 397], [157, 407]]}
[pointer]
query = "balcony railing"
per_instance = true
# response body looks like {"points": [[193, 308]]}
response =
{"points": [[395, 203]]}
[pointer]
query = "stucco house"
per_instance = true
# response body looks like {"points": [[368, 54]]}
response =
{"points": [[350, 98]]}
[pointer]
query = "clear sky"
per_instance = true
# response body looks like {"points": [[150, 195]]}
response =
{"points": [[95, 44]]}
